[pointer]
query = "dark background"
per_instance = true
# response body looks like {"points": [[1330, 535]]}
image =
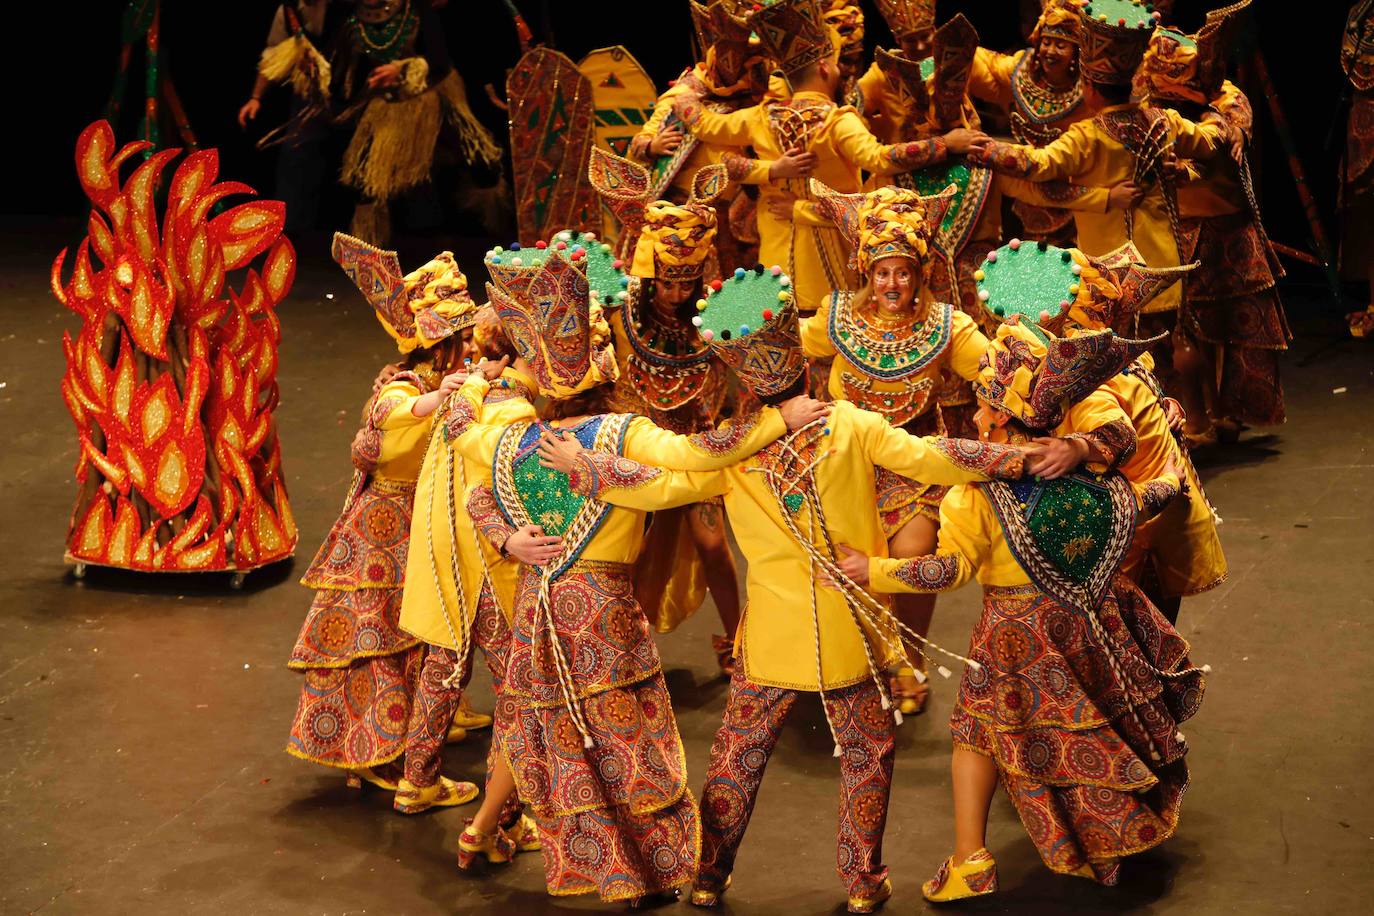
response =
{"points": [[210, 52]]}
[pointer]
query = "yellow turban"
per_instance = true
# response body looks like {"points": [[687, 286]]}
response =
{"points": [[1059, 20], [847, 20], [438, 298], [1169, 69], [675, 242], [892, 224], [1006, 374]]}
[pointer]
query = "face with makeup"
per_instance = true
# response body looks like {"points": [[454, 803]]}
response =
{"points": [[670, 296], [1057, 57], [895, 281]]}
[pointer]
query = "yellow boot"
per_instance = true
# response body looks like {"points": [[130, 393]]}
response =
{"points": [[456, 734], [356, 778], [465, 717], [872, 901], [705, 897], [495, 847], [974, 877], [524, 834], [411, 799]]}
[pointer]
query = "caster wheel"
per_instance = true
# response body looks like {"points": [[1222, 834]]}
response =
{"points": [[79, 571], [237, 580]]}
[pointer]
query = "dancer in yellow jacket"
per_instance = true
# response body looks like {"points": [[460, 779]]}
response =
{"points": [[1076, 684], [788, 506]]}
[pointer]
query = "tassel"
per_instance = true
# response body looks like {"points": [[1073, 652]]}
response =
{"points": [[587, 742], [897, 716], [838, 752], [1178, 736], [944, 672], [1206, 669], [976, 666], [886, 703]]}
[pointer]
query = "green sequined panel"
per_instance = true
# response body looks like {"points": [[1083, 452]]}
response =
{"points": [[1071, 521], [545, 495], [935, 179]]}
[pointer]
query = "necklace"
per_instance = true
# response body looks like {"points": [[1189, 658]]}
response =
{"points": [[382, 39]]}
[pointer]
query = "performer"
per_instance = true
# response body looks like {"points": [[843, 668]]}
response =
{"points": [[669, 376], [591, 713], [894, 348], [1232, 326], [885, 108], [1357, 165], [789, 505], [1077, 684], [1178, 552], [373, 692], [790, 232], [1122, 141], [1040, 89], [847, 20]]}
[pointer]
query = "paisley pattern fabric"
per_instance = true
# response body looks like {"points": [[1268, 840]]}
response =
{"points": [[1084, 734], [356, 716], [616, 818], [430, 716], [366, 548], [344, 627], [754, 716]]}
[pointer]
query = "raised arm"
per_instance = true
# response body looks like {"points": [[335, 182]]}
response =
{"points": [[727, 444], [1072, 153], [732, 129], [947, 462], [629, 484], [815, 332], [857, 145]]}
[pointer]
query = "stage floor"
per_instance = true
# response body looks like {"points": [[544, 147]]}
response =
{"points": [[143, 720]]}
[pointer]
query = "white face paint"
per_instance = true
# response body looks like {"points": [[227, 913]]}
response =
{"points": [[894, 284]]}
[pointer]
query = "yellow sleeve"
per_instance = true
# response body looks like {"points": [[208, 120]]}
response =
{"points": [[857, 145], [727, 444], [806, 213], [474, 441], [1099, 420], [733, 129], [934, 460], [1073, 153], [1064, 195], [631, 485], [403, 433], [1196, 140], [743, 170], [966, 346], [1233, 105], [815, 332], [967, 531], [990, 76]]}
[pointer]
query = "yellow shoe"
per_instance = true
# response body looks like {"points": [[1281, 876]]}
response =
{"points": [[495, 847], [465, 717], [524, 834], [974, 877], [411, 799], [356, 778], [705, 897], [909, 692], [873, 901], [456, 734]]}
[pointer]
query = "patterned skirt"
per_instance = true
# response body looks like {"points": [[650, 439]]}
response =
{"points": [[616, 818], [1085, 736], [361, 670], [900, 499]]}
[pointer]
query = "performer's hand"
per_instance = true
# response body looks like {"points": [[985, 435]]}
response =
{"points": [[489, 369], [559, 450], [1048, 457], [780, 204], [530, 546], [249, 111], [452, 382], [389, 372], [667, 141], [1125, 196], [1175, 414], [853, 563], [801, 411], [795, 163], [961, 140], [386, 76]]}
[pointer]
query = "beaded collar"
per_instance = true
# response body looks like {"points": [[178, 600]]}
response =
{"points": [[667, 367], [1037, 106], [888, 352]]}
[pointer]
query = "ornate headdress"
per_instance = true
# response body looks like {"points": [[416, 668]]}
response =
{"points": [[956, 43], [908, 17], [670, 241], [723, 40], [417, 310], [886, 223], [716, 20], [794, 34], [1115, 36], [1191, 68], [1036, 380], [1037, 282], [848, 20], [750, 321], [553, 324], [907, 79], [1059, 19]]}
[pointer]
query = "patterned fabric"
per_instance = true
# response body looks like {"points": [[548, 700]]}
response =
{"points": [[1111, 53], [900, 499], [616, 818], [417, 310], [889, 222], [1115, 441], [1070, 534], [1156, 495], [491, 632], [794, 33], [988, 458], [367, 546], [933, 573], [1074, 740], [344, 626], [754, 716], [486, 515], [908, 17], [669, 374], [886, 351], [430, 716], [356, 716], [596, 472], [960, 288], [675, 241]]}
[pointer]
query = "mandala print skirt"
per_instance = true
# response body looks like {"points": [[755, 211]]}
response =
{"points": [[1087, 746], [615, 818]]}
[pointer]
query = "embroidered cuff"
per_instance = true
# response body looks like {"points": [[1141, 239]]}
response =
{"points": [[1157, 494], [931, 573], [1007, 158], [992, 459], [918, 154], [596, 472], [461, 415], [738, 167], [486, 515], [728, 437], [1115, 441]]}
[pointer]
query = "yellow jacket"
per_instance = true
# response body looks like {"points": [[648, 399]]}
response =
{"points": [[399, 436], [778, 634], [806, 246], [1088, 154], [431, 600]]}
